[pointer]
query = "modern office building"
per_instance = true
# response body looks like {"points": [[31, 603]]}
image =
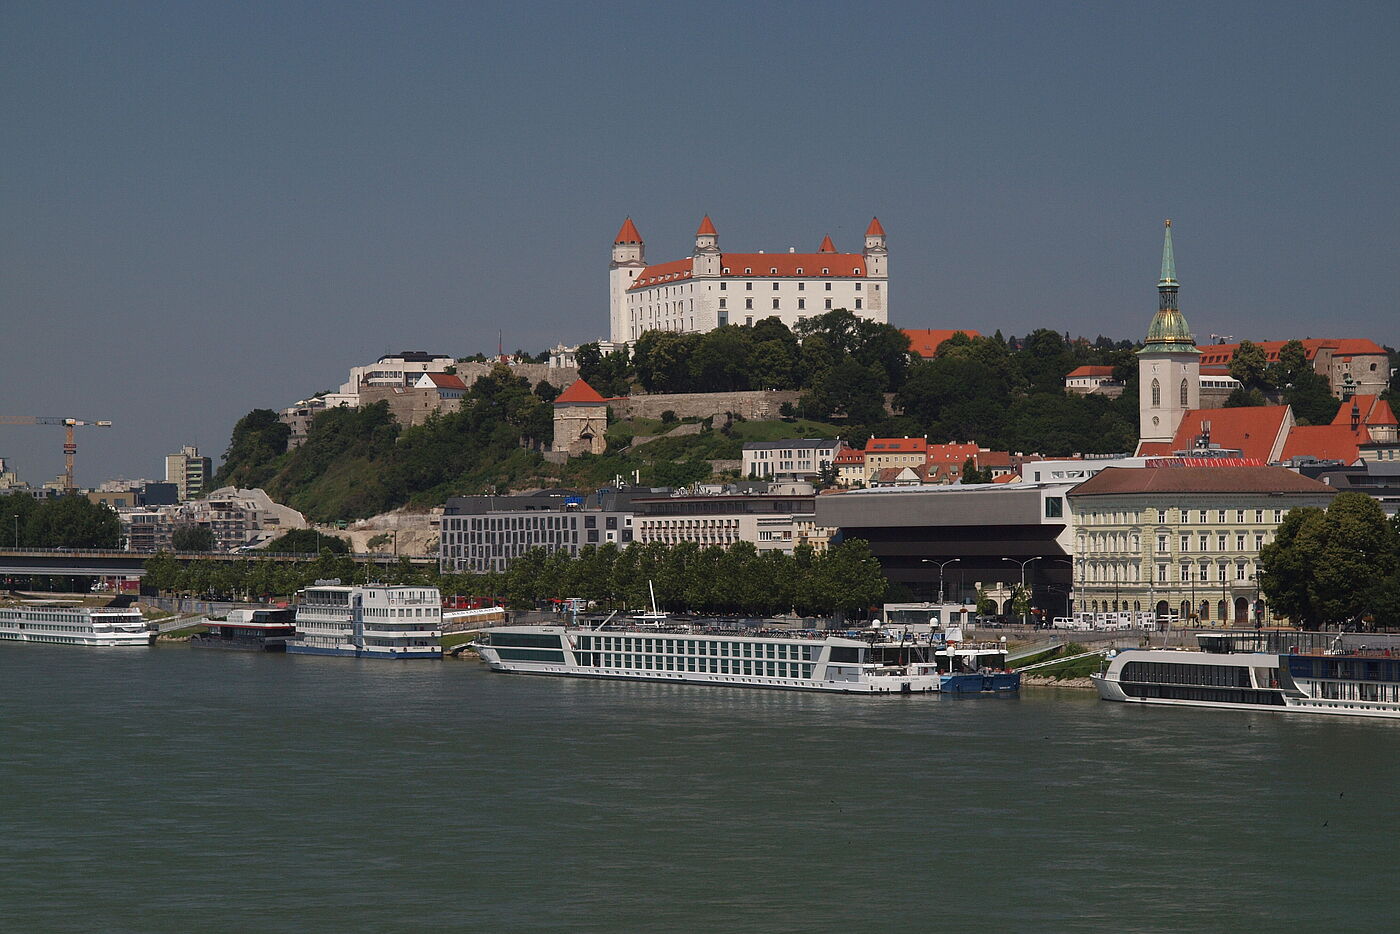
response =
{"points": [[188, 471]]}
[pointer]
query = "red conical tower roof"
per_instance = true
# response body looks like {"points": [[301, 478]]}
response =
{"points": [[827, 246], [580, 392], [875, 229], [628, 233], [707, 228]]}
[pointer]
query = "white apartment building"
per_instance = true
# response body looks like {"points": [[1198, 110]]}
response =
{"points": [[400, 369], [789, 458], [712, 288]]}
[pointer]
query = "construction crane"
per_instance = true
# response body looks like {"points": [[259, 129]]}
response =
{"points": [[70, 448]]}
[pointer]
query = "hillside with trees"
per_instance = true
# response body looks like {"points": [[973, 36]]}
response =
{"points": [[1003, 393]]}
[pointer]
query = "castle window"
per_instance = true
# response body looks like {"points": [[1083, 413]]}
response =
{"points": [[828, 285], [725, 270], [801, 304], [857, 284], [826, 272], [857, 304], [799, 285], [721, 302], [748, 270], [1156, 393], [856, 271], [724, 286], [877, 286], [748, 286], [773, 271], [775, 285], [748, 304], [1183, 392], [828, 304], [775, 304]]}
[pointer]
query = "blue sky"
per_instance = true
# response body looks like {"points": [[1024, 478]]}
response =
{"points": [[207, 208]]}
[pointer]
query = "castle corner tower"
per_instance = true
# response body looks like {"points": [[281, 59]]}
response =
{"points": [[629, 257], [1169, 363]]}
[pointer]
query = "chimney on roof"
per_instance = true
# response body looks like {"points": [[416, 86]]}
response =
{"points": [[1355, 416]]}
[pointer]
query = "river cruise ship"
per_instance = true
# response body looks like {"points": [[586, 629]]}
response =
{"points": [[855, 662], [249, 630], [1352, 674], [374, 621], [74, 625]]}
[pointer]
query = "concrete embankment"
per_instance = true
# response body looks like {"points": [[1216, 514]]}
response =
{"points": [[1045, 682]]}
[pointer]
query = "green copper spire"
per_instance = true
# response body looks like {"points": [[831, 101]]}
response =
{"points": [[1169, 332], [1168, 259]]}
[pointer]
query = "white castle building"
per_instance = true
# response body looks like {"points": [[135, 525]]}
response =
{"points": [[711, 288]]}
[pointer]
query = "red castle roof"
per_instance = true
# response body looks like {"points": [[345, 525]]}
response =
{"points": [[827, 246], [628, 233], [760, 265], [875, 229], [707, 228]]}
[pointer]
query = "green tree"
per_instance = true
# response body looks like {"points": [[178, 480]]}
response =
{"points": [[1250, 365], [192, 538], [15, 510], [73, 522], [259, 439], [1311, 571]]}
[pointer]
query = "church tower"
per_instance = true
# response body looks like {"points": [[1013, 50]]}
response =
{"points": [[1169, 364], [877, 270], [628, 260]]}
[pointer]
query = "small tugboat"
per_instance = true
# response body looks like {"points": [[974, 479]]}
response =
{"points": [[250, 630]]}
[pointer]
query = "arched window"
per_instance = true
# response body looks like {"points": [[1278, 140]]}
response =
{"points": [[1183, 393], [1156, 393]]}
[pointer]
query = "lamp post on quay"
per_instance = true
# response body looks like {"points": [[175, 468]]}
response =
{"points": [[1025, 596], [941, 566]]}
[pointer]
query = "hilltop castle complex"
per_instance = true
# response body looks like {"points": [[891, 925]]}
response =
{"points": [[712, 288]]}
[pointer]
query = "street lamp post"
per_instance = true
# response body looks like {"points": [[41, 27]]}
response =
{"points": [[1023, 564], [16, 531], [941, 566]]}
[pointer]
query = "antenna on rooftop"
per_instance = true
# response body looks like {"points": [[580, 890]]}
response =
{"points": [[1222, 338]]}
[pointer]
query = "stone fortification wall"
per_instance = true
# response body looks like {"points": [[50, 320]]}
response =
{"points": [[409, 406], [536, 373], [759, 405]]}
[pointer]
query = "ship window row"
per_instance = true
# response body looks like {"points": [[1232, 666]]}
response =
{"points": [[385, 612], [1174, 673], [706, 665], [1357, 690], [1205, 694], [1346, 669], [774, 650]]}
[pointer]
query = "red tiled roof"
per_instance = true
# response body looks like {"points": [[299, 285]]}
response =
{"points": [[662, 273], [1007, 478], [760, 265], [890, 474], [849, 456], [827, 246], [1176, 480], [628, 233], [1218, 354], [875, 229], [952, 453], [895, 445], [1098, 372], [1256, 431], [446, 380], [580, 393], [707, 228], [1215, 371], [1372, 410], [1326, 442], [925, 341]]}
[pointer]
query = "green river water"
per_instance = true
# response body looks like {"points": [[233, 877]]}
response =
{"points": [[180, 790]]}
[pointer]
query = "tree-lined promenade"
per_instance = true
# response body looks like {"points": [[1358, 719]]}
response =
{"points": [[687, 578]]}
